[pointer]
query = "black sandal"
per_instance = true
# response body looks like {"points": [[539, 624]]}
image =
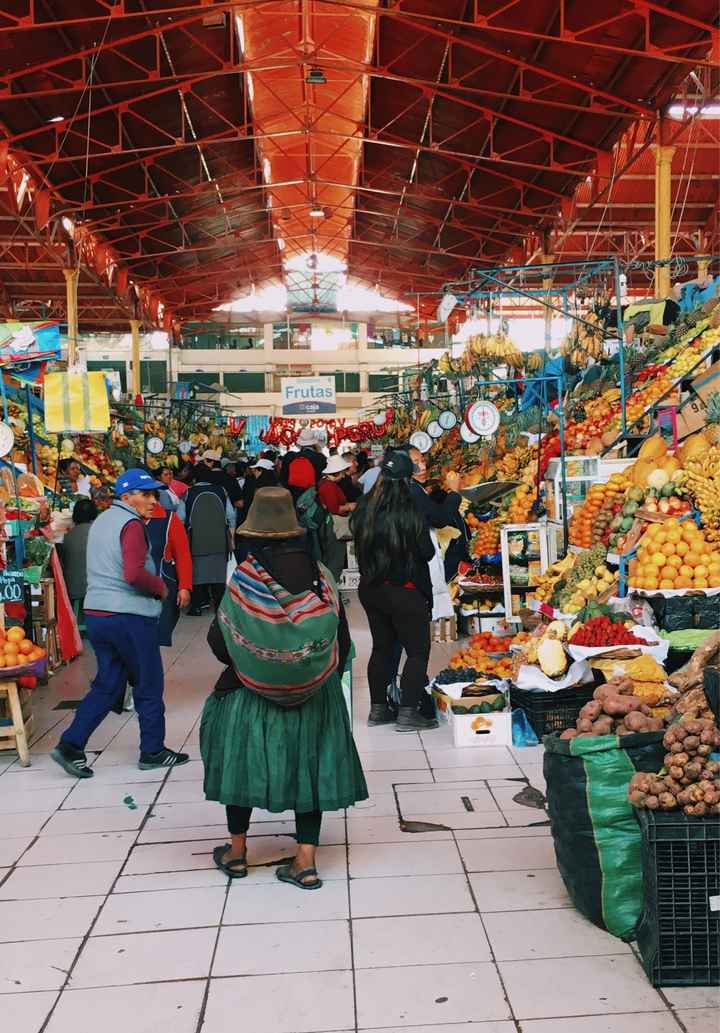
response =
{"points": [[284, 874], [236, 868]]}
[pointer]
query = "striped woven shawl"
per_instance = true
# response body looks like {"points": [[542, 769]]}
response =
{"points": [[282, 646]]}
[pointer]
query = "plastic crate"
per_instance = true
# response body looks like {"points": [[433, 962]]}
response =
{"points": [[551, 711], [679, 932]]}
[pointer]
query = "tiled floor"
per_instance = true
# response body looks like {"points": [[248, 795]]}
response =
{"points": [[112, 915]]}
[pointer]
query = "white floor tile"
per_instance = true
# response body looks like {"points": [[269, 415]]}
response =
{"points": [[88, 794], [406, 996], [144, 958], [519, 890], [250, 903], [388, 830], [36, 882], [578, 986], [12, 849], [144, 1008], [92, 846], [648, 1022], [521, 935], [162, 909], [400, 760], [696, 1020], [26, 1012], [95, 819], [51, 918], [498, 855], [35, 965], [283, 947], [412, 895], [195, 879], [29, 801], [404, 859], [308, 1002], [419, 940]]}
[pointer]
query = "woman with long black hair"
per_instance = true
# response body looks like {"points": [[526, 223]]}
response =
{"points": [[393, 548]]}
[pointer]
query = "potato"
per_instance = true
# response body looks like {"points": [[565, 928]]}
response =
{"points": [[615, 706], [569, 733], [636, 722], [591, 711], [603, 726], [584, 724]]}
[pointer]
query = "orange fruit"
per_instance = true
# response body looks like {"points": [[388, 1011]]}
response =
{"points": [[701, 571], [674, 561], [714, 580], [682, 548], [668, 573], [2, 659], [658, 559], [14, 634], [674, 536], [693, 559], [661, 537], [689, 534], [10, 647], [26, 647], [668, 549], [683, 582], [650, 583], [667, 584], [700, 582]]}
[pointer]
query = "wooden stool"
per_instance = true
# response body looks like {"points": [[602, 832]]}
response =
{"points": [[19, 711], [445, 630]]}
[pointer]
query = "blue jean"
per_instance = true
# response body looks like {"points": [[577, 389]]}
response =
{"points": [[127, 649]]}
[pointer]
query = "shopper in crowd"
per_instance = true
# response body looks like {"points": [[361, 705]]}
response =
{"points": [[218, 475], [173, 483], [261, 474], [348, 482], [330, 493], [73, 551], [168, 497], [393, 548], [316, 520], [210, 521], [368, 478], [171, 553], [71, 479], [122, 607], [306, 464], [443, 513], [275, 732]]}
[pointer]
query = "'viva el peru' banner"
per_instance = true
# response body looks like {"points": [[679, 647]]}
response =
{"points": [[29, 342]]}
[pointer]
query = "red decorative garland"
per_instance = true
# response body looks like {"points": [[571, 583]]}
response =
{"points": [[284, 430]]}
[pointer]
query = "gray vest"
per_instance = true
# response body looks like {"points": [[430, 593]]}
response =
{"points": [[107, 588]]}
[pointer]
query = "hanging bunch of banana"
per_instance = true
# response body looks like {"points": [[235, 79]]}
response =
{"points": [[497, 349], [535, 361], [447, 365]]}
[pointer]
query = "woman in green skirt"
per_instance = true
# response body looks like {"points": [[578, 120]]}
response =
{"points": [[275, 732]]}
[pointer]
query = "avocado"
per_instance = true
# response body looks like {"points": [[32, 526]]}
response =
{"points": [[668, 490], [627, 523]]}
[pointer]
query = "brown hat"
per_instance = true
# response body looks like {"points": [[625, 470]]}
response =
{"points": [[271, 515]]}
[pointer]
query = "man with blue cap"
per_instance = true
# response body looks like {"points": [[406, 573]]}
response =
{"points": [[122, 608]]}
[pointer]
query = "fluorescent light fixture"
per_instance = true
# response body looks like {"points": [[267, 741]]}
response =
{"points": [[316, 212], [68, 225], [315, 77], [324, 263], [681, 111], [57, 118], [281, 243]]}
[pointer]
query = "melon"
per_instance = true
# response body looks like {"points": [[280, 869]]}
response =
{"points": [[692, 447], [653, 448]]}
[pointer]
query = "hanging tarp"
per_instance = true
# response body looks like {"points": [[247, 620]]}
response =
{"points": [[76, 403], [28, 342]]}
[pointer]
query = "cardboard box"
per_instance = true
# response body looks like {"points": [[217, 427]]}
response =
{"points": [[691, 419], [482, 729]]}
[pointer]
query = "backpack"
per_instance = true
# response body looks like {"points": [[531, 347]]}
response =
{"points": [[322, 540]]}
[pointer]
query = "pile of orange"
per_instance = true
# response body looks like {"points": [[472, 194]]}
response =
{"points": [[16, 650], [486, 539], [521, 505], [476, 657], [675, 554]]}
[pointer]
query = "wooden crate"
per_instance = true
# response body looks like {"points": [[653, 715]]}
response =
{"points": [[444, 630], [43, 602], [16, 708]]}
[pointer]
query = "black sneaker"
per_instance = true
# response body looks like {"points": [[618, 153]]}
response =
{"points": [[380, 714], [164, 759], [194, 611], [72, 760], [411, 720]]}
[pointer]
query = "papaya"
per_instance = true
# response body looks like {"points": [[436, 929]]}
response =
{"points": [[653, 448]]}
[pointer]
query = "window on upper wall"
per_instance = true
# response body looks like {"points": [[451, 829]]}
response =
{"points": [[244, 383], [346, 383], [199, 380], [382, 382]]}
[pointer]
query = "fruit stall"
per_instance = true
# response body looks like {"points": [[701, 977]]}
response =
{"points": [[589, 602]]}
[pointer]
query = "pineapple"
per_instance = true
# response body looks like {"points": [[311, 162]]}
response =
{"points": [[712, 411]]}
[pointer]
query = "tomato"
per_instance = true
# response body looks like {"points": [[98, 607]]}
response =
{"points": [[27, 681]]}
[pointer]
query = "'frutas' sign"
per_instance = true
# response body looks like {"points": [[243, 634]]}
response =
{"points": [[308, 395]]}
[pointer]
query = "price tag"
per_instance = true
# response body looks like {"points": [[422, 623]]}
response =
{"points": [[11, 586]]}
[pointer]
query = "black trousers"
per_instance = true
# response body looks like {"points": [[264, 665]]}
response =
{"points": [[199, 595], [398, 617], [307, 824]]}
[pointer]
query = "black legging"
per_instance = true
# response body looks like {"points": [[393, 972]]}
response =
{"points": [[307, 823], [398, 617], [200, 593]]}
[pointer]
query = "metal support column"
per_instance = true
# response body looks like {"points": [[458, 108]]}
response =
{"points": [[663, 214], [547, 284], [135, 330], [71, 287]]}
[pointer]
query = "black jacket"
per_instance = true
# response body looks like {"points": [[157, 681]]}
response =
{"points": [[409, 567], [437, 514]]}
